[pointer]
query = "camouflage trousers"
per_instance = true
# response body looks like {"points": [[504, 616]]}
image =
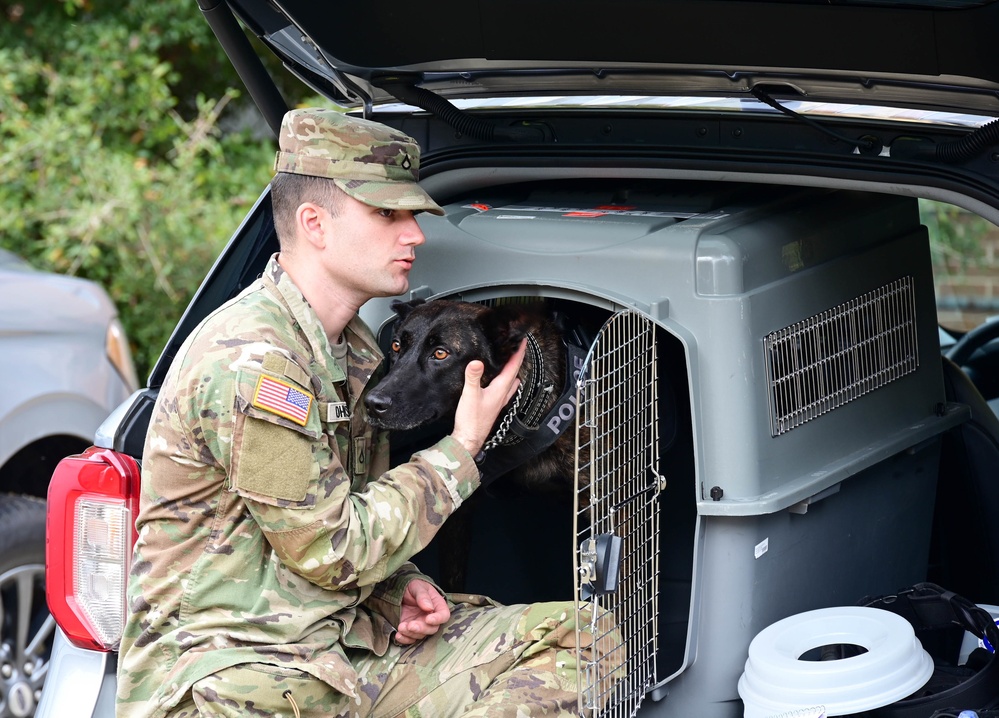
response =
{"points": [[488, 660]]}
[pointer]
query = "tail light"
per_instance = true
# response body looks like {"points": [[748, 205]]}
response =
{"points": [[90, 530]]}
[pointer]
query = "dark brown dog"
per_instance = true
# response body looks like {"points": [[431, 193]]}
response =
{"points": [[431, 344]]}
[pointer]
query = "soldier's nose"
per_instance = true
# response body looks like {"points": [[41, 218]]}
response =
{"points": [[378, 404]]}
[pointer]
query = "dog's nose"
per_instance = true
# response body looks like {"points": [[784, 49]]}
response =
{"points": [[378, 403]]}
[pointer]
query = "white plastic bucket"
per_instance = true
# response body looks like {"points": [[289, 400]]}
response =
{"points": [[777, 680]]}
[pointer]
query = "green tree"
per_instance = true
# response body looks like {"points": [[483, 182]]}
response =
{"points": [[956, 235], [108, 170]]}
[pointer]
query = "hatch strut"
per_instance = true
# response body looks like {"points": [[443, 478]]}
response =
{"points": [[250, 69]]}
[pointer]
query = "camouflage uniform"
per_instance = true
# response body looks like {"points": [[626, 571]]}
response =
{"points": [[274, 542]]}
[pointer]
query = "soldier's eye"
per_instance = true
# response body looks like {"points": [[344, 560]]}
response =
{"points": [[440, 354], [396, 346]]}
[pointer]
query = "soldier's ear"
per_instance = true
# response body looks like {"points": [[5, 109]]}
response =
{"points": [[309, 224], [402, 309]]}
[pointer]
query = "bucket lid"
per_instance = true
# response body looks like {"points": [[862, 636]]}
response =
{"points": [[777, 678]]}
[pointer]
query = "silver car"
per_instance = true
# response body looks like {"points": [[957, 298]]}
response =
{"points": [[64, 365]]}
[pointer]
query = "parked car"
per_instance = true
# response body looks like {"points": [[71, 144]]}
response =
{"points": [[64, 365], [724, 198]]}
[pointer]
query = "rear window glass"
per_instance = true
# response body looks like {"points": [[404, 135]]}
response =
{"points": [[965, 252]]}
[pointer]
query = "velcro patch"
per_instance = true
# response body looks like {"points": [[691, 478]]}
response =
{"points": [[337, 411], [283, 399]]}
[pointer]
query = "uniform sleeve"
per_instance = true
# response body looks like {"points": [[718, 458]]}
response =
{"points": [[289, 472]]}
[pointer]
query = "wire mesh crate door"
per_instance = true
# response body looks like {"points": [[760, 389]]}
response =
{"points": [[617, 516]]}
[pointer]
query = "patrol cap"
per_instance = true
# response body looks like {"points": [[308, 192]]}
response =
{"points": [[371, 162]]}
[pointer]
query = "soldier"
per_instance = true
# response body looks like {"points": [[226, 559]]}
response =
{"points": [[271, 575]]}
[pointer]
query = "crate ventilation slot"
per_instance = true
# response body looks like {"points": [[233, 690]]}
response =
{"points": [[836, 356], [617, 516]]}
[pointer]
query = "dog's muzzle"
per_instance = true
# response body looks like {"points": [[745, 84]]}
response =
{"points": [[378, 405]]}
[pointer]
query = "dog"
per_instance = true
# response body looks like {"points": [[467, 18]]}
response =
{"points": [[532, 443]]}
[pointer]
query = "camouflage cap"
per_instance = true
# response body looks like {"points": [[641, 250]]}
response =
{"points": [[371, 162]]}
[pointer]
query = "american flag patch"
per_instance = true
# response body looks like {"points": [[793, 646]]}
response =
{"points": [[282, 399]]}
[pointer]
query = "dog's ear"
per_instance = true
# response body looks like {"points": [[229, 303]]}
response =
{"points": [[402, 309], [504, 326]]}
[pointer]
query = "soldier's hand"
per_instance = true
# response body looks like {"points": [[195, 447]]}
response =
{"points": [[424, 610], [479, 406]]}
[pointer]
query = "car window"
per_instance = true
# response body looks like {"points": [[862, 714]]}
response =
{"points": [[965, 266]]}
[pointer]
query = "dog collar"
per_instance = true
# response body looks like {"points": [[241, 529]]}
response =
{"points": [[536, 390], [531, 441]]}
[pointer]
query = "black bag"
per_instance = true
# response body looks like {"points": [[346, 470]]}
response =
{"points": [[939, 619]]}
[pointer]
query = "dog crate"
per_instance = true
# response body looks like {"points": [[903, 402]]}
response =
{"points": [[763, 406]]}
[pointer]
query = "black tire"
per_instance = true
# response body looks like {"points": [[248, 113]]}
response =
{"points": [[26, 629]]}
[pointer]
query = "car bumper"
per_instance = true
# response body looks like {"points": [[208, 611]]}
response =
{"points": [[80, 683]]}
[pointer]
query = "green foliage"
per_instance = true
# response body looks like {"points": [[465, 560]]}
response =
{"points": [[105, 171], [956, 236]]}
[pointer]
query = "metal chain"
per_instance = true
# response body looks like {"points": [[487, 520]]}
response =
{"points": [[505, 424]]}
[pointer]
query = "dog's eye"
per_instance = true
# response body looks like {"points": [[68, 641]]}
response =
{"points": [[396, 346], [441, 354]]}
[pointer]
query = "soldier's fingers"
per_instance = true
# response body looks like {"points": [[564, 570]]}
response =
{"points": [[425, 594], [513, 363], [473, 373], [416, 630], [439, 612], [506, 381]]}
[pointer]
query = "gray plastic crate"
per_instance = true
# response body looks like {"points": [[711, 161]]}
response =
{"points": [[808, 328]]}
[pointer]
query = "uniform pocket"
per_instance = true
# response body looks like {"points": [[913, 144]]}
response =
{"points": [[258, 689], [272, 462], [273, 456]]}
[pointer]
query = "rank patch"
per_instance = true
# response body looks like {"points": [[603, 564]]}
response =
{"points": [[283, 399]]}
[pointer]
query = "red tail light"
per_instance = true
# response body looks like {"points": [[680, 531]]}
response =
{"points": [[90, 530]]}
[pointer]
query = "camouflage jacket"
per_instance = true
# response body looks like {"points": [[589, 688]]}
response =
{"points": [[271, 529]]}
